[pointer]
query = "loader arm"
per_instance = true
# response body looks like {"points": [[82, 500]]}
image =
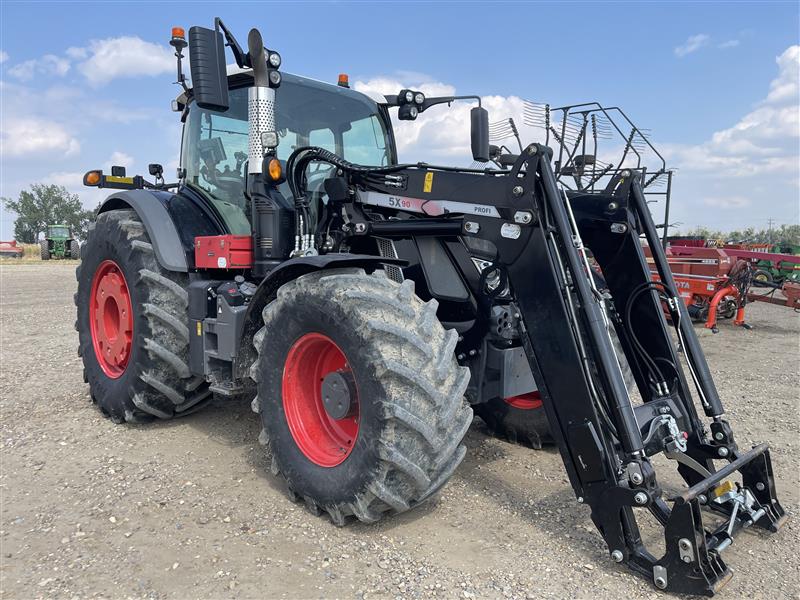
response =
{"points": [[598, 429], [606, 432]]}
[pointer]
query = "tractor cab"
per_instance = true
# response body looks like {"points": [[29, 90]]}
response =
{"points": [[58, 232], [214, 151]]}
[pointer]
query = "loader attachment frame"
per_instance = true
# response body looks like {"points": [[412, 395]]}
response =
{"points": [[606, 430], [601, 434]]}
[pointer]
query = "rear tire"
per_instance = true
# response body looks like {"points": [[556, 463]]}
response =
{"points": [[44, 249], [408, 400], [520, 422], [150, 379], [74, 250]]}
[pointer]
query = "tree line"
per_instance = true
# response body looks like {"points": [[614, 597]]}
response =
{"points": [[782, 235], [44, 205]]}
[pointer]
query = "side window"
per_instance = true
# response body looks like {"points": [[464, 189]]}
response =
{"points": [[322, 138], [288, 143], [362, 140]]}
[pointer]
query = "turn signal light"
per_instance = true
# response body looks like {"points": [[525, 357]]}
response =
{"points": [[178, 32], [274, 169], [92, 178]]}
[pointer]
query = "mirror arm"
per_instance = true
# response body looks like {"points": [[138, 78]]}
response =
{"points": [[394, 100], [242, 59], [446, 100]]}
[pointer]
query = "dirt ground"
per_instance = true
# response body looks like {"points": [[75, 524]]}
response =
{"points": [[187, 509]]}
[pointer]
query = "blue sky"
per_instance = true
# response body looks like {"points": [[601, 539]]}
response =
{"points": [[85, 85]]}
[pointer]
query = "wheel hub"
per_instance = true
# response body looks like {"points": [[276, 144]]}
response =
{"points": [[527, 401], [320, 400], [111, 319], [338, 390]]}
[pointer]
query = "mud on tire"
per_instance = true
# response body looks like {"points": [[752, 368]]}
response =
{"points": [[156, 383], [410, 390]]}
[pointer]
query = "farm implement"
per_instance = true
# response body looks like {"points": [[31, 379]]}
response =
{"points": [[11, 250], [718, 282], [368, 307]]}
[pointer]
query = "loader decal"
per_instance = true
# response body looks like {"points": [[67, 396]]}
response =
{"points": [[428, 186], [432, 208]]}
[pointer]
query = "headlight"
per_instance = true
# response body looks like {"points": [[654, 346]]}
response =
{"points": [[274, 77], [409, 96], [274, 59], [419, 98]]}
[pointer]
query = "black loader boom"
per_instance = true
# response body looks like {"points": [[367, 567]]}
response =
{"points": [[367, 308], [605, 439]]}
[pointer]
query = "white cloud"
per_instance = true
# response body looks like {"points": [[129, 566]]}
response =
{"points": [[3, 56], [77, 53], [119, 159], [764, 141], [69, 179], [728, 44], [692, 44], [47, 65], [441, 133], [752, 168], [786, 87], [125, 56], [25, 136]]}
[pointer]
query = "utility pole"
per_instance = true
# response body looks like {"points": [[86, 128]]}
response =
{"points": [[770, 221]]}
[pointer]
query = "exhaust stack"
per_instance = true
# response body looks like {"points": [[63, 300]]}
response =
{"points": [[260, 101]]}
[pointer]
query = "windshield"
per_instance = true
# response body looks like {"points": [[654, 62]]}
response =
{"points": [[59, 232], [215, 144]]}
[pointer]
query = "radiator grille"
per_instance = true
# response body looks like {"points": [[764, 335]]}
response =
{"points": [[387, 250]]}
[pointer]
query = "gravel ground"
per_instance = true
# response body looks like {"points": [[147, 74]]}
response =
{"points": [[187, 509]]}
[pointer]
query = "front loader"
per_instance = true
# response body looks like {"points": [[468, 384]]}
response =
{"points": [[367, 307]]}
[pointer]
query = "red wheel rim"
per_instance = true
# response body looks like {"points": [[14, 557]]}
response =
{"points": [[111, 319], [325, 441], [527, 401]]}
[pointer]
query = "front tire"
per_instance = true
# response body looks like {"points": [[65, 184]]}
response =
{"points": [[74, 250], [44, 249], [400, 439], [132, 325]]}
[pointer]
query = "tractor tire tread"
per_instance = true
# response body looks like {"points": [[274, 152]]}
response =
{"points": [[162, 386], [425, 416]]}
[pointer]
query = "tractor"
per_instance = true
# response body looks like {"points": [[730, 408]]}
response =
{"points": [[369, 308], [59, 242]]}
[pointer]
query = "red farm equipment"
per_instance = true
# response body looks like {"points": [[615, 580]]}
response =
{"points": [[11, 250], [717, 282]]}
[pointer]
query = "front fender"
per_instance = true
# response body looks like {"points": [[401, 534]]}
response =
{"points": [[172, 221], [286, 272]]}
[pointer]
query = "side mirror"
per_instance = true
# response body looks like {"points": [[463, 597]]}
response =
{"points": [[207, 63], [479, 133]]}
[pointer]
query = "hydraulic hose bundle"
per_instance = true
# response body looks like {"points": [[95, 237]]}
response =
{"points": [[296, 166]]}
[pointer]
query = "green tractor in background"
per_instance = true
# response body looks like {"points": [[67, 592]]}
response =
{"points": [[59, 243]]}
